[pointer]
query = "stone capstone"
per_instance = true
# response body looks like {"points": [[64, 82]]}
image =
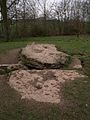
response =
{"points": [[42, 56]]}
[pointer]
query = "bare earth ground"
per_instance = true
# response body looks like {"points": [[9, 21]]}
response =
{"points": [[12, 106], [9, 57]]}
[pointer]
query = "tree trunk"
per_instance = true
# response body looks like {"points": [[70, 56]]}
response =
{"points": [[5, 19]]}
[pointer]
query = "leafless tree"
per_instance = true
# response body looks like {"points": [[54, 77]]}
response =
{"points": [[5, 5]]}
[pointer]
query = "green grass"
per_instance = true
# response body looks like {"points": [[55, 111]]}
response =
{"points": [[66, 43], [76, 94]]}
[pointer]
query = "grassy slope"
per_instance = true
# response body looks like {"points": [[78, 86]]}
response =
{"points": [[76, 93]]}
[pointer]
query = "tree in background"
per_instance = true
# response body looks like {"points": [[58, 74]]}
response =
{"points": [[5, 6], [43, 17]]}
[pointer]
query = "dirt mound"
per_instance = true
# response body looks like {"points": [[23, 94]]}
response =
{"points": [[41, 85]]}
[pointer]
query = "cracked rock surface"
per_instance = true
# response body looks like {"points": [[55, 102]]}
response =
{"points": [[44, 56]]}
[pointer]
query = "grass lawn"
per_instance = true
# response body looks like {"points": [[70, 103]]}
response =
{"points": [[76, 94]]}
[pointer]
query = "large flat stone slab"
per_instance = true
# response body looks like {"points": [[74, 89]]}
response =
{"points": [[44, 56], [41, 85]]}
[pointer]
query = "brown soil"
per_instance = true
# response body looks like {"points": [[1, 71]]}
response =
{"points": [[9, 57]]}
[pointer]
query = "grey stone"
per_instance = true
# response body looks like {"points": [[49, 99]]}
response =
{"points": [[42, 56]]}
